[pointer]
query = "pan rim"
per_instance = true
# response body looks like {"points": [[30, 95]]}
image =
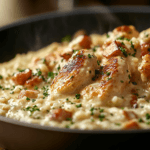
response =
{"points": [[77, 11], [66, 130]]}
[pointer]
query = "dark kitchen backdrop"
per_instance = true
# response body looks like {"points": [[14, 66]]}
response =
{"points": [[12, 10]]}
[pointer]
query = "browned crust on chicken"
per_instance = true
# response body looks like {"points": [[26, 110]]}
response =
{"points": [[28, 93], [21, 77], [33, 81], [60, 114], [71, 77], [131, 125]]}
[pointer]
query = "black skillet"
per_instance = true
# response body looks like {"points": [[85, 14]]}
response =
{"points": [[36, 32]]}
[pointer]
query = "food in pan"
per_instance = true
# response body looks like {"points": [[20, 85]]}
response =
{"points": [[84, 82]]}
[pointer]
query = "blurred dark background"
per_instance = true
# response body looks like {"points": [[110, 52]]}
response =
{"points": [[12, 10]]}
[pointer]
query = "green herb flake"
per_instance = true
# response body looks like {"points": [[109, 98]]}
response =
{"points": [[108, 35], [35, 88], [108, 73], [67, 126], [21, 70], [77, 96], [43, 60], [109, 78], [122, 43], [33, 100], [51, 75], [134, 83], [89, 56], [101, 117], [67, 38], [123, 51], [69, 119], [147, 116], [27, 98], [140, 120], [71, 77], [98, 62], [1, 77], [79, 105], [101, 110], [129, 76], [92, 110], [118, 124], [121, 81], [94, 48], [32, 109], [12, 92], [58, 68]]}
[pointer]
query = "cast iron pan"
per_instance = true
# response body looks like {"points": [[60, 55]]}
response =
{"points": [[36, 32]]}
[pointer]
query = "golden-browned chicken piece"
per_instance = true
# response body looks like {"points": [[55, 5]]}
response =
{"points": [[126, 31], [77, 73], [21, 77], [28, 93], [144, 68], [116, 48], [115, 78], [60, 114], [144, 36]]}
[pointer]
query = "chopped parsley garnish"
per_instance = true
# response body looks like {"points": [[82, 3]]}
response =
{"points": [[101, 110], [90, 56], [12, 92], [35, 88], [71, 77], [121, 81], [20, 70], [52, 75], [118, 124], [132, 46], [146, 35], [77, 96], [58, 68], [122, 38], [97, 73], [94, 49], [45, 92], [67, 126], [108, 35], [134, 83], [129, 76], [140, 120], [32, 109], [98, 62], [92, 109], [67, 38], [38, 73], [147, 116], [1, 77], [101, 117], [75, 51], [109, 78], [33, 100], [107, 73], [79, 105], [122, 43], [69, 119], [133, 54], [44, 60], [27, 98], [123, 51]]}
